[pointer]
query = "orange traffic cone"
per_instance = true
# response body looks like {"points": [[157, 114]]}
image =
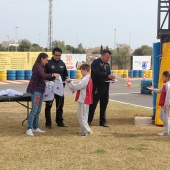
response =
{"points": [[129, 83], [144, 77]]}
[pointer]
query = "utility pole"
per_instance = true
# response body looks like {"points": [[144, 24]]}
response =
{"points": [[115, 40], [16, 42], [8, 42], [50, 25]]}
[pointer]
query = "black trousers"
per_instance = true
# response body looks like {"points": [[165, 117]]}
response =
{"points": [[99, 93], [59, 100]]}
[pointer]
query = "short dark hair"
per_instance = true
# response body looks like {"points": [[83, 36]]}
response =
{"points": [[166, 74], [56, 49], [106, 51], [85, 67]]}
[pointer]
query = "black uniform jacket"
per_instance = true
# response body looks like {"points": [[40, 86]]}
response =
{"points": [[59, 67], [99, 71]]}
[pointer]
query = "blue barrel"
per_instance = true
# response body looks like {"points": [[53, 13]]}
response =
{"points": [[11, 75], [130, 73], [28, 74], [20, 75], [140, 73], [156, 53], [144, 85], [73, 74], [135, 73], [68, 72]]}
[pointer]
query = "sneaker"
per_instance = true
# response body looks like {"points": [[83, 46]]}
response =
{"points": [[90, 133], [38, 130], [162, 134], [84, 134], [29, 132]]}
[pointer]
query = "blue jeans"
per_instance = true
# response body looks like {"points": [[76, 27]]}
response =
{"points": [[33, 118]]}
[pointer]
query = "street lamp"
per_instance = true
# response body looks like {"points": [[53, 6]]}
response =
{"points": [[129, 39], [8, 42], [39, 39], [16, 43], [115, 40]]}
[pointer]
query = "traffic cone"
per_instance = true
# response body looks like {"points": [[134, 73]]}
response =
{"points": [[144, 77], [129, 83]]}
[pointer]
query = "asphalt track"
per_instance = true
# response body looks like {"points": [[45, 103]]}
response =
{"points": [[118, 92]]}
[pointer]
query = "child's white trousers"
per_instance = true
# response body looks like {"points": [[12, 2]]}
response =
{"points": [[82, 115]]}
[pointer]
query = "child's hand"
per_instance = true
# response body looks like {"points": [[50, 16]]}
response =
{"points": [[150, 88], [67, 79], [166, 109]]}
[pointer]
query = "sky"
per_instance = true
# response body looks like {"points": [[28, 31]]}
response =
{"points": [[90, 22]]}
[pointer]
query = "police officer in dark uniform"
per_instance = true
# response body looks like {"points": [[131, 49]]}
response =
{"points": [[56, 65], [100, 73]]}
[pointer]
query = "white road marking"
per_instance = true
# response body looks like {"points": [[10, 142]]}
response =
{"points": [[131, 104], [125, 93]]}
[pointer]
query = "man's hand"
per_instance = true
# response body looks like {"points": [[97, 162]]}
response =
{"points": [[111, 77], [55, 75]]}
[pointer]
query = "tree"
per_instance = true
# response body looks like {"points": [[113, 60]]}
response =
{"points": [[24, 45], [144, 50], [107, 48], [36, 48], [80, 49], [2, 48], [121, 56], [60, 44], [101, 49]]}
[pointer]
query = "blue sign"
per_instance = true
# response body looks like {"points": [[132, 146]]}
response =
{"points": [[144, 65]]}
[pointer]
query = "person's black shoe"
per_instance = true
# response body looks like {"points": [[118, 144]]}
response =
{"points": [[104, 125], [61, 124], [49, 127]]}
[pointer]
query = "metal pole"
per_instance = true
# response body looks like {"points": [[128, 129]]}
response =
{"points": [[115, 40], [39, 39], [129, 39], [16, 43], [8, 42]]}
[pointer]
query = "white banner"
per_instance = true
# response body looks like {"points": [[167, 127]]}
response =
{"points": [[73, 61], [141, 63]]}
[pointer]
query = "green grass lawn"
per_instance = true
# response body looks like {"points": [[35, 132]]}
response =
{"points": [[121, 146]]}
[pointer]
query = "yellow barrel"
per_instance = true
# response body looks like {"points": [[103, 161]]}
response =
{"points": [[3, 75], [120, 73], [145, 72], [125, 73], [114, 71], [149, 73], [78, 74]]}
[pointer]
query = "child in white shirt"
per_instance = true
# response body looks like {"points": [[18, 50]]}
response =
{"points": [[84, 97]]}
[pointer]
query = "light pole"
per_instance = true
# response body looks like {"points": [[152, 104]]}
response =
{"points": [[129, 39], [39, 39], [16, 43], [115, 40], [8, 42]]}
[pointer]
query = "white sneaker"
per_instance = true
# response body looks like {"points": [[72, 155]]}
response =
{"points": [[162, 134], [29, 132], [38, 130]]}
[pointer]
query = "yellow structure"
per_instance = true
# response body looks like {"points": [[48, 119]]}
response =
{"points": [[3, 75], [78, 74], [18, 60], [165, 66]]}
